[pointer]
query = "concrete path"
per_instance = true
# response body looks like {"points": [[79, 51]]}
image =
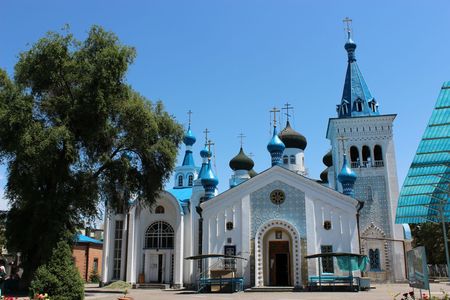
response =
{"points": [[381, 291]]}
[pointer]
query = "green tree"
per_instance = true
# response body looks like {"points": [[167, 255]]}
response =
{"points": [[74, 134], [430, 235], [59, 278]]}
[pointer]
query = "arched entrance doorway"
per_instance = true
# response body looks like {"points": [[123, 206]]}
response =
{"points": [[277, 255], [158, 252]]}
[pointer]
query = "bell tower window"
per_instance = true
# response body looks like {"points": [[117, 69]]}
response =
{"points": [[354, 157], [292, 159], [359, 105], [180, 180], [367, 160], [190, 179]]}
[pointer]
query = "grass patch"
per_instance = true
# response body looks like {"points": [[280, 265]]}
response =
{"points": [[118, 285]]}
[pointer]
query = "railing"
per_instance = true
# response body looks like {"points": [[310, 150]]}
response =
{"points": [[367, 164]]}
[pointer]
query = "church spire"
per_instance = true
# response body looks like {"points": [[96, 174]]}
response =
{"points": [[357, 101], [275, 146], [189, 140]]}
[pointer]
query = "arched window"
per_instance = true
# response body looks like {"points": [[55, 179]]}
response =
{"points": [[159, 209], [285, 159], [344, 107], [378, 156], [190, 179], [366, 156], [292, 159], [354, 157], [180, 180], [374, 259], [159, 235]]}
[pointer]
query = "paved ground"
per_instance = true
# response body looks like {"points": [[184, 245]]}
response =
{"points": [[384, 291]]}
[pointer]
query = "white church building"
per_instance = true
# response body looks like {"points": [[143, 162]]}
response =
{"points": [[277, 217]]}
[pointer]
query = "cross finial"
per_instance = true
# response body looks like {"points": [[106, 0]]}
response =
{"points": [[241, 136], [274, 110], [189, 114], [342, 139], [209, 143], [206, 131], [287, 107], [348, 22]]}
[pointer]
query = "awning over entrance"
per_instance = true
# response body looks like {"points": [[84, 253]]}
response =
{"points": [[425, 196]]}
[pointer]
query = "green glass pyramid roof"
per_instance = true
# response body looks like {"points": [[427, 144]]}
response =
{"points": [[425, 195]]}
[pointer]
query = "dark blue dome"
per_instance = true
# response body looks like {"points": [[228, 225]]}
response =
{"points": [[205, 153], [275, 144], [209, 179], [189, 139], [347, 175]]}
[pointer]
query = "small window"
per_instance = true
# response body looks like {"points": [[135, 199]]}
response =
{"points": [[159, 210], [230, 225], [180, 180], [373, 105], [292, 159], [327, 225], [285, 160], [278, 235], [374, 259], [190, 179]]}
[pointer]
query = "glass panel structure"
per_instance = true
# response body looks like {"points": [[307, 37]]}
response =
{"points": [[424, 196]]}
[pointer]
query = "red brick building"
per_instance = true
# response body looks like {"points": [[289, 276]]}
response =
{"points": [[87, 254]]}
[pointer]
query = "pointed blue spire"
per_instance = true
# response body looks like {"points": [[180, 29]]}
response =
{"points": [[276, 148], [357, 101], [189, 140], [209, 181], [347, 178]]}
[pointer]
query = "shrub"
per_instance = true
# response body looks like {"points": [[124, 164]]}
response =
{"points": [[94, 277], [59, 277]]}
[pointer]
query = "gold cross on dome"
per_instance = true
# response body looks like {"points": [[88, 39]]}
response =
{"points": [[190, 114], [287, 107], [206, 131], [348, 22], [274, 110], [241, 136], [342, 139]]}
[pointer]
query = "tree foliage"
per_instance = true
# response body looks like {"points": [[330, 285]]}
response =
{"points": [[74, 134], [59, 278], [430, 235]]}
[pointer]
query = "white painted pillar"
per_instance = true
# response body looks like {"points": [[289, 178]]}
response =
{"points": [[179, 254], [131, 251], [107, 227]]}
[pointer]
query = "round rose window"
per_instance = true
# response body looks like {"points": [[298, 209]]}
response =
{"points": [[277, 197]]}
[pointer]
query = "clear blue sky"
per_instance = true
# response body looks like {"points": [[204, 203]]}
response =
{"points": [[231, 61]]}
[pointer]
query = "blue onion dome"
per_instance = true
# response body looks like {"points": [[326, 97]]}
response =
{"points": [[209, 179], [275, 143], [252, 173], [324, 176], [205, 153], [350, 46], [189, 139], [291, 138], [328, 159], [241, 162], [346, 175]]}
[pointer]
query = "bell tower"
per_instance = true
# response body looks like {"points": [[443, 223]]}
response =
{"points": [[370, 150]]}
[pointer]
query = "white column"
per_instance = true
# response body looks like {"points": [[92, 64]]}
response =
{"points": [[179, 254], [131, 251], [106, 247]]}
